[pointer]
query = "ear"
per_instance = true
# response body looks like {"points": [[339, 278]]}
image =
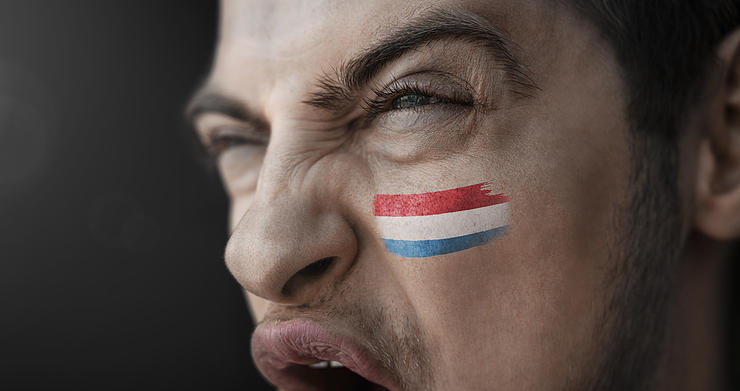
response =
{"points": [[717, 190]]}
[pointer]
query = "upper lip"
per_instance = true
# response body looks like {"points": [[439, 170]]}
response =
{"points": [[282, 351]]}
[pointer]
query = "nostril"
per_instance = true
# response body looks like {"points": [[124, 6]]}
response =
{"points": [[307, 274], [317, 268]]}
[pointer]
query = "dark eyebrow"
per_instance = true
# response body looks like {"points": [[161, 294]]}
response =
{"points": [[208, 101], [335, 90]]}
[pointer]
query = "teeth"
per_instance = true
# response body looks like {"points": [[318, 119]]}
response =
{"points": [[326, 364], [319, 365]]}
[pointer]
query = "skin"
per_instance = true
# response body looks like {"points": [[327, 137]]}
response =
{"points": [[524, 312]]}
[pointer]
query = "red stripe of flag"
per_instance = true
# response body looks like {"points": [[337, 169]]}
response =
{"points": [[445, 201]]}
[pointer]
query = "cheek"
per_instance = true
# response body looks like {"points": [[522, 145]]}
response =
{"points": [[527, 299], [239, 169], [423, 225]]}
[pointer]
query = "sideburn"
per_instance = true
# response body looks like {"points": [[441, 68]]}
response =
{"points": [[645, 261]]}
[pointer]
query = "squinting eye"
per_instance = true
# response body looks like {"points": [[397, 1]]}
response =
{"points": [[412, 100], [220, 144]]}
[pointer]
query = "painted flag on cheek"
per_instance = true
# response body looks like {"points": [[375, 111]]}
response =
{"points": [[441, 222]]}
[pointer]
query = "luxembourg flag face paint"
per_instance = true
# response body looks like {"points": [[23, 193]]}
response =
{"points": [[441, 222]]}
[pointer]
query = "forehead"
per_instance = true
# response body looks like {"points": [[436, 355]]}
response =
{"points": [[267, 42], [281, 26]]}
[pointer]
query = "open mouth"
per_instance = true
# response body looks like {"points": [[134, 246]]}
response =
{"points": [[322, 376], [304, 356]]}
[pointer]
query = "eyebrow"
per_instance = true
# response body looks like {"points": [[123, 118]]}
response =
{"points": [[334, 90], [206, 100]]}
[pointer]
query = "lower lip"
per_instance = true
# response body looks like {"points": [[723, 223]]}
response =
{"points": [[301, 342]]}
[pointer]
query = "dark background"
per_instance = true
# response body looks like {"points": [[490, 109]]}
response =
{"points": [[111, 232]]}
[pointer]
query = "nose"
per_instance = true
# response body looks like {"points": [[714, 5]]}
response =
{"points": [[290, 248]]}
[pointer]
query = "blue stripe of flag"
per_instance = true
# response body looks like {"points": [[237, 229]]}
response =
{"points": [[430, 248]]}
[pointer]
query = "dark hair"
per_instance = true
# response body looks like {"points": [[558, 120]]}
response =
{"points": [[665, 49]]}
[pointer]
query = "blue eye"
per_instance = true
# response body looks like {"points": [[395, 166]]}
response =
{"points": [[412, 100]]}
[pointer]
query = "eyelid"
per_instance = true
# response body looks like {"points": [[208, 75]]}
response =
{"points": [[245, 131], [399, 89], [234, 135], [208, 124], [447, 88]]}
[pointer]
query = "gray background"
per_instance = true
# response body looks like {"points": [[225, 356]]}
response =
{"points": [[111, 232]]}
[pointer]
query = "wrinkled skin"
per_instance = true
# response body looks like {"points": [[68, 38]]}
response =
{"points": [[524, 312]]}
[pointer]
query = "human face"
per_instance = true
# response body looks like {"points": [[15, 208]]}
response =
{"points": [[520, 94]]}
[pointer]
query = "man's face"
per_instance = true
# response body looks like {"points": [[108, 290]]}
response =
{"points": [[319, 121]]}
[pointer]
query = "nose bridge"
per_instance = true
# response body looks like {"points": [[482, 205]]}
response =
{"points": [[285, 166], [291, 241]]}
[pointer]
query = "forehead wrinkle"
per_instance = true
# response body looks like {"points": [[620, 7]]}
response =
{"points": [[337, 87]]}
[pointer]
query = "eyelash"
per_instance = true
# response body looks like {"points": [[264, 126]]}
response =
{"points": [[383, 99], [374, 107], [218, 144]]}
